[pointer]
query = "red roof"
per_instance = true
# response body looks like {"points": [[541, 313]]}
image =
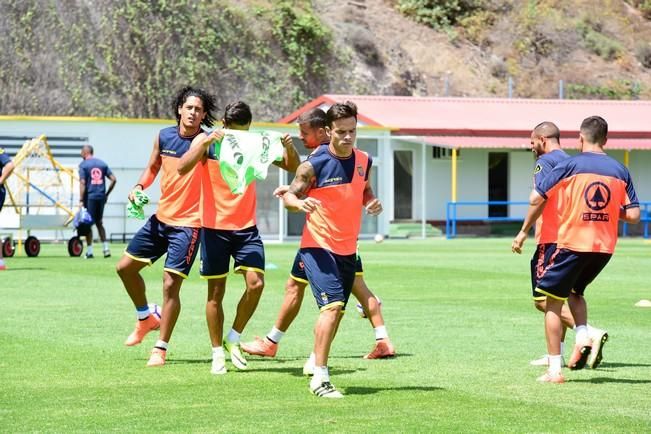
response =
{"points": [[495, 122]]}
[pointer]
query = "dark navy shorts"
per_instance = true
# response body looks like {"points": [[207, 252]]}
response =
{"points": [[570, 271], [539, 262], [3, 193], [217, 247], [298, 271], [156, 238], [331, 276], [95, 208]]}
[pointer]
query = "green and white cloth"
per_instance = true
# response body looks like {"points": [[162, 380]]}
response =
{"points": [[245, 156], [135, 209]]}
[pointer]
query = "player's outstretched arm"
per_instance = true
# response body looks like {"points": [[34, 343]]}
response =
{"points": [[299, 188], [198, 150], [536, 207], [291, 159]]}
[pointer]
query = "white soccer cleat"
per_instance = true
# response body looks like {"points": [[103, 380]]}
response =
{"points": [[218, 364], [237, 358], [308, 367], [598, 341], [325, 389]]}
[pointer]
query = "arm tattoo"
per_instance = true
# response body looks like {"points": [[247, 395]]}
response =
{"points": [[303, 180]]}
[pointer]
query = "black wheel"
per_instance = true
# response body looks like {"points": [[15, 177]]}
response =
{"points": [[8, 249], [32, 246], [75, 246]]}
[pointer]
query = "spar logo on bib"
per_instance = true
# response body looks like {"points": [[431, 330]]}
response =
{"points": [[597, 198]]}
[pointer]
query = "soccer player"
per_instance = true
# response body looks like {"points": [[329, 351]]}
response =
{"points": [[312, 127], [229, 230], [332, 187], [175, 227], [6, 167], [594, 192], [93, 194], [545, 144]]}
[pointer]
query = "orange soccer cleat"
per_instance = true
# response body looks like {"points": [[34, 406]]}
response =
{"points": [[383, 349], [260, 347], [579, 356], [551, 377], [142, 328], [157, 357]]}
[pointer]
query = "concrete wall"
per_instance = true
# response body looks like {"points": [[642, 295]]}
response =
{"points": [[126, 147]]}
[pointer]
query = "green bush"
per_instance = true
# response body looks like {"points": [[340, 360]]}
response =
{"points": [[600, 44], [620, 89], [438, 14]]}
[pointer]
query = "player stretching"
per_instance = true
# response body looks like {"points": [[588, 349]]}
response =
{"points": [[229, 229], [174, 228], [546, 146], [331, 187], [312, 127], [593, 191]]}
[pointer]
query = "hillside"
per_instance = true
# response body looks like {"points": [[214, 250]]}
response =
{"points": [[126, 59]]}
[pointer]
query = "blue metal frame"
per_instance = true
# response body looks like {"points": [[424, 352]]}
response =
{"points": [[451, 218], [645, 219]]}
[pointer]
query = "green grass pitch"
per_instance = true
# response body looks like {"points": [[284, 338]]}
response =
{"points": [[458, 311]]}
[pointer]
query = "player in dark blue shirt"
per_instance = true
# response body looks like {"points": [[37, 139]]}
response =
{"points": [[93, 194], [6, 167]]}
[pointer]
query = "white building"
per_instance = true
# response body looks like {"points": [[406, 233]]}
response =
{"points": [[427, 152]]}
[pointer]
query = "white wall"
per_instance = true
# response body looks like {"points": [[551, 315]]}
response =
{"points": [[125, 145], [521, 166]]}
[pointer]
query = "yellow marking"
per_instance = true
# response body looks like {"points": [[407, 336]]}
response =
{"points": [[556, 297]]}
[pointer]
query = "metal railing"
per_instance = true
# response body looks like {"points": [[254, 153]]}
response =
{"points": [[452, 218]]}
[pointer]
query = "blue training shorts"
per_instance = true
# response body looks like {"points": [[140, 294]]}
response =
{"points": [[298, 271], [95, 208], [570, 271], [331, 276], [539, 263], [217, 247], [156, 238]]}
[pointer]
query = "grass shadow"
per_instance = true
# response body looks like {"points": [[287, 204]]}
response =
{"points": [[623, 365], [356, 390], [605, 380]]}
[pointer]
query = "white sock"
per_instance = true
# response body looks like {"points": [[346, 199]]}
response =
{"points": [[555, 364], [106, 245], [218, 351], [161, 344], [321, 374], [582, 335], [380, 333], [89, 250], [275, 335], [233, 337]]}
